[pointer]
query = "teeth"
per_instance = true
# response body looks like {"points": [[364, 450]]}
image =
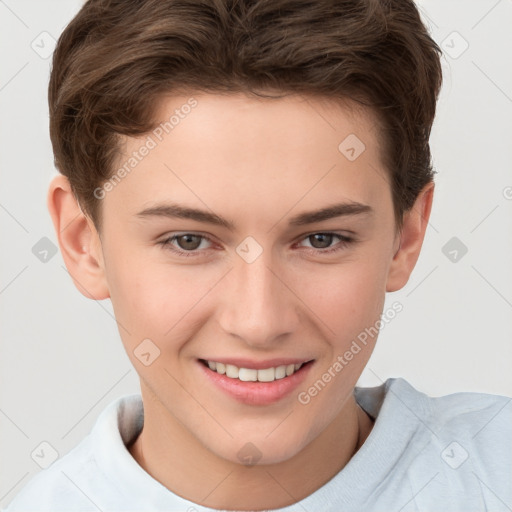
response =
{"points": [[281, 372], [266, 375], [232, 371], [251, 375], [248, 375]]}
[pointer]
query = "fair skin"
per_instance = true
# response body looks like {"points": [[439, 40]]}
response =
{"points": [[257, 164]]}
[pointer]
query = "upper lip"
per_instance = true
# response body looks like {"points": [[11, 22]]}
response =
{"points": [[258, 365]]}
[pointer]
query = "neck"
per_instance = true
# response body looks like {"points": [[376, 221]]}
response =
{"points": [[175, 458]]}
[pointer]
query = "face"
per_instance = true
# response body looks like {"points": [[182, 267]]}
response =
{"points": [[247, 237]]}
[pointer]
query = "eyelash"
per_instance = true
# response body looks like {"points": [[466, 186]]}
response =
{"points": [[344, 242]]}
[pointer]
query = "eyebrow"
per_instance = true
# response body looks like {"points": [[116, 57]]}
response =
{"points": [[171, 210]]}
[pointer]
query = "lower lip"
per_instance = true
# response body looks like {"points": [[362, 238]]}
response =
{"points": [[257, 393]]}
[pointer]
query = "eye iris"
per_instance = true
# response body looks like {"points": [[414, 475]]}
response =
{"points": [[189, 242], [323, 239]]}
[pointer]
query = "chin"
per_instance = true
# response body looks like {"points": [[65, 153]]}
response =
{"points": [[259, 450]]}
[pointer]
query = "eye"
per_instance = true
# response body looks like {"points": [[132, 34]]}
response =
{"points": [[322, 242], [186, 244]]}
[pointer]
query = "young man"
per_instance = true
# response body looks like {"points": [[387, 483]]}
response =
{"points": [[245, 180]]}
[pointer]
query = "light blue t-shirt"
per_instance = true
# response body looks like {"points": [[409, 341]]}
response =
{"points": [[446, 454]]}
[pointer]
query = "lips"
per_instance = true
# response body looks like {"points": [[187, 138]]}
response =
{"points": [[238, 380]]}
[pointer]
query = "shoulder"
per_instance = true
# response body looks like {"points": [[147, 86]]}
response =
{"points": [[461, 449], [466, 413], [477, 409], [57, 487], [473, 432], [80, 477], [477, 419], [476, 423]]}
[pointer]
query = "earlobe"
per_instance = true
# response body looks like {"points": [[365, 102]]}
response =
{"points": [[411, 240], [79, 241]]}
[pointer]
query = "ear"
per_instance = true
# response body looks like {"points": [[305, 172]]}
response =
{"points": [[79, 241], [410, 240]]}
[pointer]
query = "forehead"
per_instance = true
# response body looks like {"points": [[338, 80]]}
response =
{"points": [[292, 118], [235, 151]]}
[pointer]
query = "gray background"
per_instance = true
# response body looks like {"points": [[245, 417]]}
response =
{"points": [[62, 360]]}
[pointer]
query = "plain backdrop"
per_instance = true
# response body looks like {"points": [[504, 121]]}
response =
{"points": [[62, 360]]}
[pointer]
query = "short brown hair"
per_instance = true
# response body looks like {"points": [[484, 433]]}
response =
{"points": [[117, 58]]}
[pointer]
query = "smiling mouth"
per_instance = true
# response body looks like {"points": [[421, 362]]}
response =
{"points": [[254, 375]]}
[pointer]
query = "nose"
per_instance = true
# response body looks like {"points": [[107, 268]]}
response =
{"points": [[257, 306]]}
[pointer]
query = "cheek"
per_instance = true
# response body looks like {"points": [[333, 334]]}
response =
{"points": [[346, 298], [157, 301], [349, 300]]}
